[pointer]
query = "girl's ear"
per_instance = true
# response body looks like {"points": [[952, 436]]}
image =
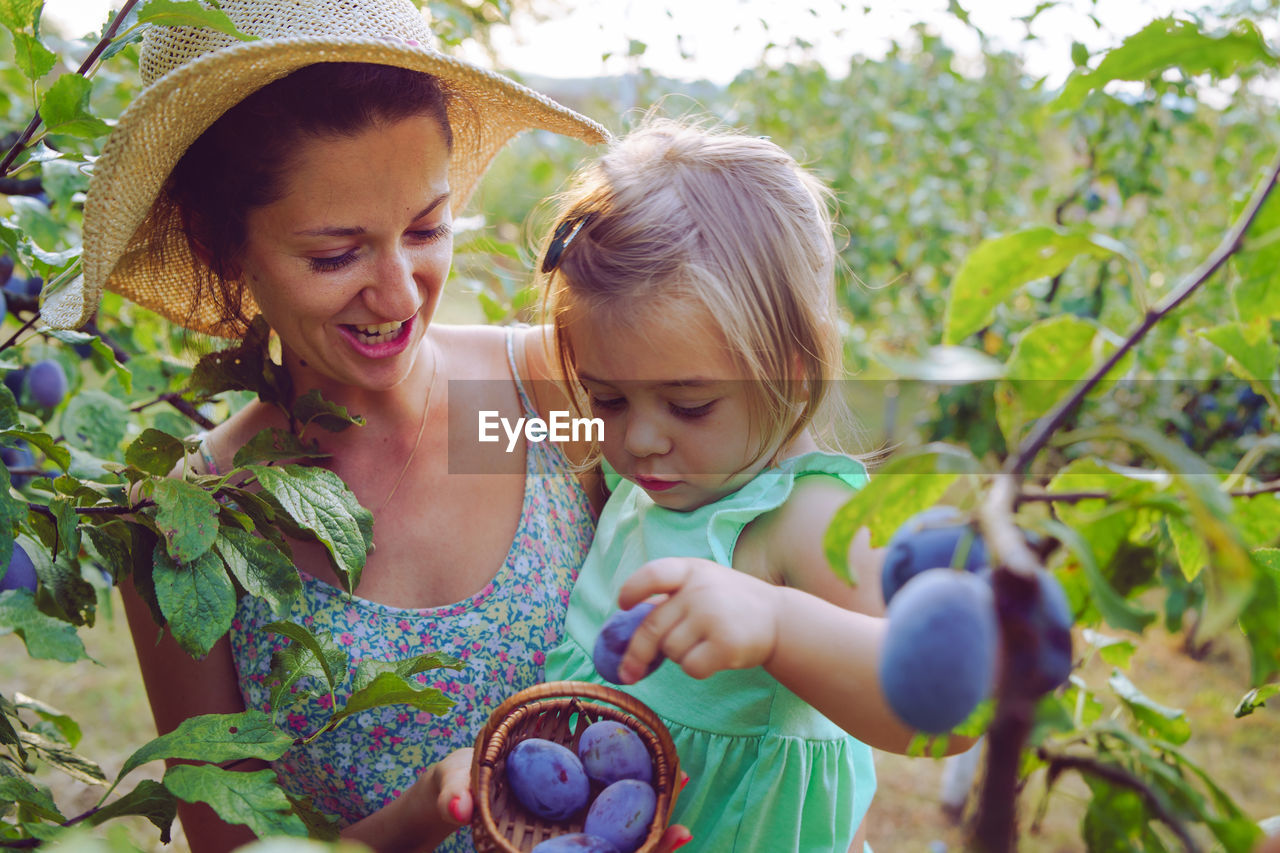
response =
{"points": [[798, 375]]}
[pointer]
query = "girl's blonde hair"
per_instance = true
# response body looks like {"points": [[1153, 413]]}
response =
{"points": [[676, 211]]}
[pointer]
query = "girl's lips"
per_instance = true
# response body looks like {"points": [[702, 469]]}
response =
{"points": [[651, 485], [382, 349]]}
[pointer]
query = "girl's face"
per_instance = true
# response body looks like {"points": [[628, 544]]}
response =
{"points": [[348, 265], [675, 404]]}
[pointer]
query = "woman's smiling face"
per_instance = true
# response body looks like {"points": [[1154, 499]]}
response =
{"points": [[348, 265]]}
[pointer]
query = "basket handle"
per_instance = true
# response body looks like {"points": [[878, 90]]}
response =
{"points": [[579, 690]]}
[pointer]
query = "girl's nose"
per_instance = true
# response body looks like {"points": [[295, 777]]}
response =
{"points": [[393, 294], [645, 437]]}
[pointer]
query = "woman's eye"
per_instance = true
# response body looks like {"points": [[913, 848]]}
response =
{"points": [[431, 235], [692, 412], [337, 262]]}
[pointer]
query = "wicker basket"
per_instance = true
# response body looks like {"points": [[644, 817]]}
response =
{"points": [[558, 711]]}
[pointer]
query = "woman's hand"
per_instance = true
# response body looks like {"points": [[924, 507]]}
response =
{"points": [[713, 618], [422, 817]]}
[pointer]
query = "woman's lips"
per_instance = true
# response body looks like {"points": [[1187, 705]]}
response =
{"points": [[384, 346]]}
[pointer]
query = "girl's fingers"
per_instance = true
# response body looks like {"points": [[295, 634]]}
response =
{"points": [[702, 661], [655, 577], [648, 640]]}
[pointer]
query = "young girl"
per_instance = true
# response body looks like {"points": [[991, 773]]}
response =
{"points": [[690, 287]]}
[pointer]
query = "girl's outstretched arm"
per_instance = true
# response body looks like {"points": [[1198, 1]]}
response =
{"points": [[717, 618], [781, 607]]}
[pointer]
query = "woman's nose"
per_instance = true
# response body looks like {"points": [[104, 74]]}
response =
{"points": [[393, 294], [645, 437]]}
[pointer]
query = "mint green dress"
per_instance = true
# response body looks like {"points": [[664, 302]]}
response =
{"points": [[767, 772]]}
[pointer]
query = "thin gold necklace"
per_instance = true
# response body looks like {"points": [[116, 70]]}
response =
{"points": [[422, 428]]}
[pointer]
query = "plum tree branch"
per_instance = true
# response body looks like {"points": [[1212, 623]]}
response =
{"points": [[1117, 775], [1076, 497], [1230, 244], [84, 70]]}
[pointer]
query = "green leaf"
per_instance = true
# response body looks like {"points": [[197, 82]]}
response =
{"points": [[1255, 699], [1112, 650], [260, 568], [68, 728], [1256, 289], [98, 421], [388, 688], [108, 545], [311, 407], [244, 368], [46, 638], [45, 443], [65, 109], [15, 789], [197, 599], [64, 759], [149, 799], [190, 13], [1253, 351], [155, 452], [999, 266], [1190, 549], [187, 517], [215, 738], [1168, 43], [32, 57], [1168, 723], [1048, 359], [312, 655], [275, 445], [317, 500], [1258, 618], [68, 526], [253, 799], [905, 485], [1114, 607], [19, 15], [369, 669]]}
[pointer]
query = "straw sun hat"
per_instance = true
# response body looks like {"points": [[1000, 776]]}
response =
{"points": [[194, 75]]}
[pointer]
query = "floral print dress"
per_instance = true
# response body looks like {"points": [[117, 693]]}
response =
{"points": [[502, 633]]}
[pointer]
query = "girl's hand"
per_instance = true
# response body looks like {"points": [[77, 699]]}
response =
{"points": [[713, 618]]}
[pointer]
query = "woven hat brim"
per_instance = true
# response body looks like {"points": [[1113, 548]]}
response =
{"points": [[121, 235]]}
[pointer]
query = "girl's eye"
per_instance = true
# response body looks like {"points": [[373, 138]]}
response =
{"points": [[331, 264], [692, 412], [609, 404]]}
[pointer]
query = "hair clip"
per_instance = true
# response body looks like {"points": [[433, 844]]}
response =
{"points": [[563, 236]]}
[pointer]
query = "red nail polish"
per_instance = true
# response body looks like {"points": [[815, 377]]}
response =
{"points": [[455, 809], [682, 843], [683, 783]]}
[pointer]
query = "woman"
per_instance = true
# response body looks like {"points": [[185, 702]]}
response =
{"points": [[324, 200]]}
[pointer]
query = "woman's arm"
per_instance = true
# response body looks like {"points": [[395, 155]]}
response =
{"points": [[179, 687]]}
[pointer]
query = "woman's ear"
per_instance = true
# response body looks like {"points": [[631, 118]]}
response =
{"points": [[195, 226]]}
